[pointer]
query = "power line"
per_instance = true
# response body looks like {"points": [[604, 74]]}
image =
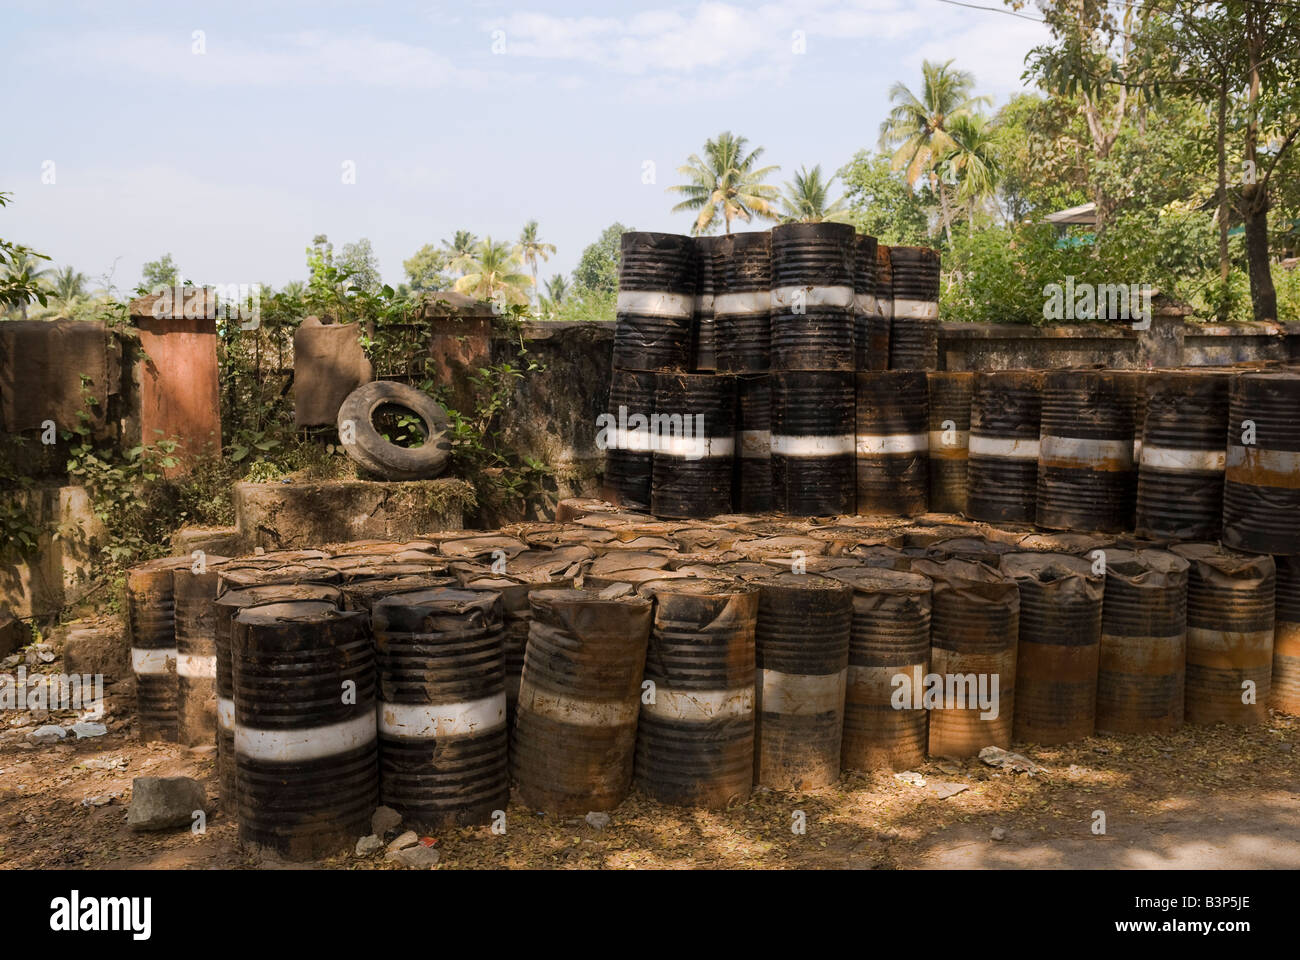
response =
{"points": [[1009, 13]]}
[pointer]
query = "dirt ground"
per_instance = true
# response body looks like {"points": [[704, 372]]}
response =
{"points": [[1203, 797]]}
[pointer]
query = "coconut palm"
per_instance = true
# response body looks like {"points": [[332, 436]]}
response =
{"points": [[917, 128], [971, 164], [556, 288], [69, 285], [726, 182], [530, 250], [805, 199], [493, 270], [460, 249]]}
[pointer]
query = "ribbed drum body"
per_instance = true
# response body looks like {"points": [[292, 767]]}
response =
{"points": [[709, 256], [865, 348], [1285, 687], [812, 442], [892, 442], [813, 300], [224, 609], [193, 590], [693, 433], [878, 326], [1085, 455], [1141, 674], [950, 395], [742, 303], [753, 485], [1180, 467], [802, 651], [575, 732], [1002, 458], [656, 302], [628, 454], [306, 756], [1059, 648], [1230, 615], [974, 633], [1261, 491], [151, 618], [914, 330], [442, 706], [890, 639], [695, 742]]}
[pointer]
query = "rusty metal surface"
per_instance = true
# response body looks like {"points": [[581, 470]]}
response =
{"points": [[695, 741], [978, 549], [692, 477], [193, 592], [802, 655], [628, 458], [879, 325], [1059, 648], [574, 737], [1230, 616], [744, 336], [810, 330], [707, 254], [950, 398], [1002, 462], [242, 574], [151, 622], [1141, 675], [646, 339], [753, 484], [812, 410], [1285, 689], [867, 351], [1261, 491], [892, 439]]}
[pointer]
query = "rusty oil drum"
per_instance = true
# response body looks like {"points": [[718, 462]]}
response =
{"points": [[914, 329], [306, 753], [194, 588], [574, 736], [879, 326], [1261, 491], [695, 742], [950, 396], [656, 302], [742, 303], [629, 457], [813, 299], [974, 633], [442, 706], [1141, 675], [708, 255], [1002, 454], [866, 349], [1060, 646], [753, 484], [890, 637], [892, 442], [1285, 688], [694, 445], [812, 442], [151, 622], [1230, 616], [802, 656]]}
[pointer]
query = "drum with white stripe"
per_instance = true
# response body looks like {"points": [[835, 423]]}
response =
{"points": [[224, 608], [1060, 646], [709, 253], [629, 457], [950, 395], [574, 736], [974, 633], [753, 490], [801, 646], [812, 442], [1002, 451], [1230, 618], [1085, 452], [1180, 464], [914, 331], [1141, 675], [151, 620], [306, 753], [879, 326], [867, 352], [194, 588], [813, 298], [694, 438], [742, 303], [889, 656], [695, 743], [1285, 688], [892, 442], [1261, 491], [656, 302], [442, 706]]}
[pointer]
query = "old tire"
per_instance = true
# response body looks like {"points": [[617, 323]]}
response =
{"points": [[372, 452]]}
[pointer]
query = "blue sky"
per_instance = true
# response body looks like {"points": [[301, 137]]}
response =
{"points": [[476, 115]]}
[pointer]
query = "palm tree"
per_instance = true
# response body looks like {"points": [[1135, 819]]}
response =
{"points": [[530, 250], [556, 288], [971, 164], [460, 249], [493, 270], [725, 182], [916, 129], [25, 268], [805, 198], [68, 285]]}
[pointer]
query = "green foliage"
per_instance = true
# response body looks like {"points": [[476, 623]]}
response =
{"points": [[807, 199], [726, 183], [155, 274], [426, 269], [20, 275], [597, 268], [882, 204], [357, 261], [583, 304]]}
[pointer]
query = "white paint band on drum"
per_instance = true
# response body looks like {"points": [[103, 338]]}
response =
{"points": [[1010, 448], [695, 448], [756, 444], [784, 446], [704, 301], [939, 440], [656, 303], [573, 710], [306, 743], [885, 308], [153, 661], [700, 706], [916, 309], [196, 666], [784, 298], [1085, 451], [801, 695], [1230, 641], [1183, 461], [426, 721], [635, 440], [742, 304], [865, 303], [872, 444], [226, 713], [1270, 461]]}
